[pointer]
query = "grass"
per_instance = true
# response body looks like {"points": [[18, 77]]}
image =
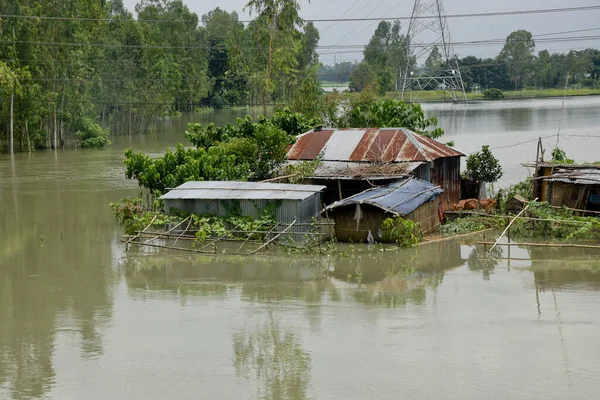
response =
{"points": [[334, 84], [440, 95]]}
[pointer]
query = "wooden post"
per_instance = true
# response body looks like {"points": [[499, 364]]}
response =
{"points": [[340, 189], [12, 112], [512, 222]]}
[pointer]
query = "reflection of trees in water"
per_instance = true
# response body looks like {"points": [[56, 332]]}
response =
{"points": [[152, 274], [484, 261], [558, 267], [311, 291], [59, 276], [282, 367], [393, 292]]}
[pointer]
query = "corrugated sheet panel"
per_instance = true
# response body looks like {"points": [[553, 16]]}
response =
{"points": [[309, 145], [401, 198], [372, 145], [577, 177], [341, 144], [242, 190]]}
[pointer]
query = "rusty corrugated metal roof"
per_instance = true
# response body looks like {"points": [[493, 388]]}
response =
{"points": [[382, 145]]}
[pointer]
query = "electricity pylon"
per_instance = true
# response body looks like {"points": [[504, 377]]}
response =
{"points": [[427, 31]]}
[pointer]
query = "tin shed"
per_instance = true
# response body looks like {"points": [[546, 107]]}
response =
{"points": [[353, 158], [360, 214], [296, 202]]}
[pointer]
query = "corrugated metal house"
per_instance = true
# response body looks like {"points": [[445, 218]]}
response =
{"points": [[575, 186], [354, 159], [360, 214], [297, 202]]}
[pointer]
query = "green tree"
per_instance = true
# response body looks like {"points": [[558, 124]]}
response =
{"points": [[392, 114], [517, 54], [362, 77], [278, 27], [484, 167]]}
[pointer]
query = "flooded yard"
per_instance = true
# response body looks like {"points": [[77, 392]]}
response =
{"points": [[80, 317]]}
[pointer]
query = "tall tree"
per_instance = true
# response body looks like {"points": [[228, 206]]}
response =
{"points": [[279, 22], [518, 56]]}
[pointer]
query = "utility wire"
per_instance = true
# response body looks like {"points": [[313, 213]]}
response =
{"points": [[384, 18], [475, 43], [356, 26], [344, 14]]}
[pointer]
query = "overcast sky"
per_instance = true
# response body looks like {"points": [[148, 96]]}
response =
{"points": [[461, 29]]}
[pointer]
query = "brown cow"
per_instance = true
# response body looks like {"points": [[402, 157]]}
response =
{"points": [[488, 205], [466, 205]]}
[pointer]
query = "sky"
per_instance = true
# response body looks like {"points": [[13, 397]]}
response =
{"points": [[461, 29]]}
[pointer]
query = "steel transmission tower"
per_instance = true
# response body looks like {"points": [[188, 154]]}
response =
{"points": [[428, 31]]}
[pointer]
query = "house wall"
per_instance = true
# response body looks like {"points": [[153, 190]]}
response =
{"points": [[562, 194], [445, 173], [347, 229], [300, 210]]}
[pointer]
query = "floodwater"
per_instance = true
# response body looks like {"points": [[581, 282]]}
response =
{"points": [[80, 318]]}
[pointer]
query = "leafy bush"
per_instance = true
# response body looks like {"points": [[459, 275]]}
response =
{"points": [[483, 166], [392, 114], [549, 222], [183, 165], [560, 156], [493, 94], [402, 231], [90, 134], [130, 214]]}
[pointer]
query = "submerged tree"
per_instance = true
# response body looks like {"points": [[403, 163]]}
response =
{"points": [[278, 25]]}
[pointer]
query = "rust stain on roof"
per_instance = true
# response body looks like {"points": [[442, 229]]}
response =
{"points": [[375, 145], [309, 145], [380, 145]]}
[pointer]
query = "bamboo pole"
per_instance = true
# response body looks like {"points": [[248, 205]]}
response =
{"points": [[250, 235], [144, 230], [581, 246], [456, 236], [274, 237], [160, 246], [278, 178], [512, 222], [184, 231], [170, 230]]}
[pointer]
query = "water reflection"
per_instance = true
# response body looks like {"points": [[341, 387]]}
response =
{"points": [[54, 277], [277, 359], [369, 276], [483, 260], [560, 268]]}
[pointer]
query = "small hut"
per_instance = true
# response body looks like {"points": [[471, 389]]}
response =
{"points": [[357, 216], [298, 203], [515, 204], [575, 186], [354, 159]]}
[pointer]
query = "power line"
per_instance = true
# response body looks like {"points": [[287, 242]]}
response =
{"points": [[345, 12], [355, 27], [384, 18], [474, 43], [324, 8]]}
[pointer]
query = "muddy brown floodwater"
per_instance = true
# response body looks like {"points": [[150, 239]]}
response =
{"points": [[82, 319]]}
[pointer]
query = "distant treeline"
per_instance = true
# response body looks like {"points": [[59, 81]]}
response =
{"points": [[516, 67], [88, 66]]}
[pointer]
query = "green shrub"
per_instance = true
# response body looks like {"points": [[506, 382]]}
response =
{"points": [[493, 94], [402, 231], [90, 134]]}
